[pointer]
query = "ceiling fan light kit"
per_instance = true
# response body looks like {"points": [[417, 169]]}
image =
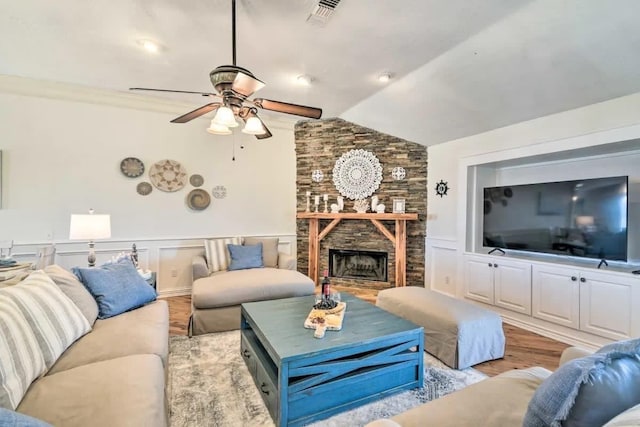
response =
{"points": [[235, 85]]}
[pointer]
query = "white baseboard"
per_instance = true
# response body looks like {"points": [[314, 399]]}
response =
{"points": [[174, 293]]}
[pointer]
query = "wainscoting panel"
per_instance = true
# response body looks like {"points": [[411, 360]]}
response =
{"points": [[442, 266]]}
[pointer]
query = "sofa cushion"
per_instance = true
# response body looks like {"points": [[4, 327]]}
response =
{"points": [[16, 419], [500, 401], [127, 391], [144, 331], [587, 391], [629, 418], [244, 257], [55, 320], [75, 290], [269, 249], [117, 287], [258, 284], [217, 253], [21, 359]]}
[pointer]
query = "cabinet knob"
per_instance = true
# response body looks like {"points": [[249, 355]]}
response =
{"points": [[495, 265], [264, 389], [246, 354], [490, 265], [574, 278], [582, 279]]}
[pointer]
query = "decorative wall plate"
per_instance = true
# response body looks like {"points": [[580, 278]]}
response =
{"points": [[196, 180], [132, 167], [441, 188], [357, 174], [317, 175], [168, 175], [398, 173], [144, 188], [219, 191], [198, 199]]}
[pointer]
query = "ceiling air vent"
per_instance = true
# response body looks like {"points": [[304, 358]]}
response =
{"points": [[322, 12]]}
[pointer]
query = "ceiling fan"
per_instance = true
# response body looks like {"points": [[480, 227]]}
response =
{"points": [[235, 85]]}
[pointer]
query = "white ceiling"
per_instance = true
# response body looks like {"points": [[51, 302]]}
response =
{"points": [[461, 67]]}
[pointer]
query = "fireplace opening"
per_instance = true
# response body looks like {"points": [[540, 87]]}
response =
{"points": [[350, 264]]}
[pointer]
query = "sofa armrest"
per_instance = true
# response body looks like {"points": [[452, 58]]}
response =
{"points": [[286, 261], [571, 353], [199, 267]]}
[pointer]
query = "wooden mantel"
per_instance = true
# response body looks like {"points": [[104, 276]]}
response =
{"points": [[399, 239]]}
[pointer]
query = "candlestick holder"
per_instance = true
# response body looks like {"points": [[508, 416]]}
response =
{"points": [[308, 209], [317, 203], [325, 206]]}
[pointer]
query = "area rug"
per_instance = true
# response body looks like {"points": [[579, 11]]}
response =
{"points": [[210, 386]]}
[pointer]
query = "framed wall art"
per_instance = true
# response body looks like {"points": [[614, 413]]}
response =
{"points": [[398, 205]]}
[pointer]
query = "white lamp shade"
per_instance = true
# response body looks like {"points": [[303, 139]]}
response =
{"points": [[218, 129], [253, 126], [225, 117], [90, 227]]}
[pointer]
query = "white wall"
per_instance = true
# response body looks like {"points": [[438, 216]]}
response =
{"points": [[61, 155]]}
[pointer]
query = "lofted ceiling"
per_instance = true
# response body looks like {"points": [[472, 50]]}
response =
{"points": [[459, 67]]}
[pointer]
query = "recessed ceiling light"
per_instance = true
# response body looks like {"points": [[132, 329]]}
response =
{"points": [[304, 80], [384, 77], [149, 45]]}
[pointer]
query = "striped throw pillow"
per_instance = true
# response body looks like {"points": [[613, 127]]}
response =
{"points": [[217, 254], [55, 320], [21, 359]]}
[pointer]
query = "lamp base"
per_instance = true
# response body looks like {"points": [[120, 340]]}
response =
{"points": [[92, 254]]}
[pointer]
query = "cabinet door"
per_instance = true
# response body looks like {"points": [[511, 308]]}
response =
{"points": [[512, 284], [478, 278], [556, 295], [606, 305]]}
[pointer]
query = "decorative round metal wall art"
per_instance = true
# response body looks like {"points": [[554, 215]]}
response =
{"points": [[441, 188], [198, 199], [132, 167], [317, 175], [168, 175], [357, 174], [398, 173], [219, 191], [196, 180], [144, 188]]}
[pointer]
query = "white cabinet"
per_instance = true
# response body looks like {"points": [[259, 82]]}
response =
{"points": [[499, 281], [595, 302], [556, 295]]}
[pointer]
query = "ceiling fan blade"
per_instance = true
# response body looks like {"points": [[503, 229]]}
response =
{"points": [[196, 113], [172, 91], [285, 107], [245, 84]]}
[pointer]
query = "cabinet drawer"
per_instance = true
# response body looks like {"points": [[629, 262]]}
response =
{"points": [[268, 390], [248, 355]]}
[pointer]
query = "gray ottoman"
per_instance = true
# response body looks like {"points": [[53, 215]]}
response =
{"points": [[457, 332]]}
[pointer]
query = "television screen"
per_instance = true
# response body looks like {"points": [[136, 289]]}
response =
{"points": [[583, 218]]}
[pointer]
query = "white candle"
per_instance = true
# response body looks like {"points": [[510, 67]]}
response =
{"points": [[325, 197], [316, 199], [308, 193]]}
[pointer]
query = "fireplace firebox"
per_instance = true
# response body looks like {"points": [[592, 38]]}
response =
{"points": [[355, 264]]}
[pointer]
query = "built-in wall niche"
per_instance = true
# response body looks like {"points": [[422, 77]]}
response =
{"points": [[596, 162]]}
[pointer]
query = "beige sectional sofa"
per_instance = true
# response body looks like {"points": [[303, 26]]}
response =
{"points": [[113, 375], [499, 401]]}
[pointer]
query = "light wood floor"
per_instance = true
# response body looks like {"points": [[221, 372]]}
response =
{"points": [[524, 349]]}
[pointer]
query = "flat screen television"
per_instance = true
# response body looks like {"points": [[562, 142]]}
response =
{"points": [[581, 218]]}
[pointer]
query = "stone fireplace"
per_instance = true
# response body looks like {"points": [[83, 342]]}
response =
{"points": [[356, 264], [319, 144]]}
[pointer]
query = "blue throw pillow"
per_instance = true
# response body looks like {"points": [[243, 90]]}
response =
{"points": [[244, 257], [588, 391], [15, 419], [116, 287]]}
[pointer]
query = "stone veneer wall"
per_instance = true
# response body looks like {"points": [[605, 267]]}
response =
{"points": [[318, 145]]}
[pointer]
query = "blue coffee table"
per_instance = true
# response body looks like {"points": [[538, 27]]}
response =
{"points": [[304, 379]]}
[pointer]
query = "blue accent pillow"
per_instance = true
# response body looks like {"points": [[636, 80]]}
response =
{"points": [[244, 257], [15, 419], [588, 391], [116, 287]]}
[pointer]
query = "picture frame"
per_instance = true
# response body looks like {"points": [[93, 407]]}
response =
{"points": [[398, 205]]}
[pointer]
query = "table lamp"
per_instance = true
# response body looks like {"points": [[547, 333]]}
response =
{"points": [[90, 227]]}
